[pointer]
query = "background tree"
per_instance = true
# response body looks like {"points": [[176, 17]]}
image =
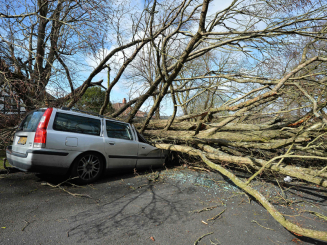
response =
{"points": [[39, 38], [92, 100]]}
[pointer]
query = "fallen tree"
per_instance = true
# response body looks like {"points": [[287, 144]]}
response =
{"points": [[321, 235], [6, 136], [276, 146], [245, 147]]}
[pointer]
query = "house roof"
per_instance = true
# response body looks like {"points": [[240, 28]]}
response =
{"points": [[118, 106]]}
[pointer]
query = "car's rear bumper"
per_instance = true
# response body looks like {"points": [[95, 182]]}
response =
{"points": [[40, 161]]}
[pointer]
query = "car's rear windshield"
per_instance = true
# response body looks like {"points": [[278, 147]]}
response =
{"points": [[31, 121]]}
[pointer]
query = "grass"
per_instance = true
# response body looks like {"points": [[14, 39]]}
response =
{"points": [[2, 155]]}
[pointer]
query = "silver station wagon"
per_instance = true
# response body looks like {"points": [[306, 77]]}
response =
{"points": [[61, 141]]}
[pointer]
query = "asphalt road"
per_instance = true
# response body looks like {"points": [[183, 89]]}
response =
{"points": [[166, 207]]}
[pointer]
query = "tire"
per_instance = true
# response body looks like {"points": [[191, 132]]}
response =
{"points": [[88, 168]]}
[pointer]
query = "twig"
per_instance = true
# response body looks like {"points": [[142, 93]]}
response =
{"points": [[155, 177], [253, 221], [321, 216], [65, 181], [134, 188], [274, 242], [287, 155], [75, 194], [27, 223], [204, 222], [288, 151], [215, 217], [321, 171], [205, 209], [283, 193], [248, 197], [68, 232], [261, 169], [203, 169], [197, 241], [213, 242], [240, 193], [61, 188]]}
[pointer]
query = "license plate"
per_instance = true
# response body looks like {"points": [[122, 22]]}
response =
{"points": [[22, 140]]}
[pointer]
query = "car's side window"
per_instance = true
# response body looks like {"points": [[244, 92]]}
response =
{"points": [[141, 138], [118, 130], [76, 124]]}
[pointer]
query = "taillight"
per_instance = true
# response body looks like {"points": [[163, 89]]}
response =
{"points": [[41, 131]]}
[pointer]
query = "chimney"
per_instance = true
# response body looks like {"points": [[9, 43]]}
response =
{"points": [[124, 101]]}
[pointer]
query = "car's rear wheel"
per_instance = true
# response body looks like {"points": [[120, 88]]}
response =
{"points": [[88, 168]]}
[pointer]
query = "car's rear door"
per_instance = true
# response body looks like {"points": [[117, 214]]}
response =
{"points": [[77, 132], [120, 145]]}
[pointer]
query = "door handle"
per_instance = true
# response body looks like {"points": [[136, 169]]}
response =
{"points": [[143, 147], [111, 143]]}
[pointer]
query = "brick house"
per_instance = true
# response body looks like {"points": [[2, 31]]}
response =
{"points": [[117, 106]]}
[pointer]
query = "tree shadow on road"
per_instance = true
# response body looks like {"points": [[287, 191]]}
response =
{"points": [[139, 209]]}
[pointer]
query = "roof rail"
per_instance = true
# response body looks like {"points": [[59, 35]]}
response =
{"points": [[78, 110], [86, 112]]}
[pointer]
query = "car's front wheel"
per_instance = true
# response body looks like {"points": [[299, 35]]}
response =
{"points": [[88, 168]]}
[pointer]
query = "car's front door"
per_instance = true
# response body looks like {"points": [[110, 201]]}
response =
{"points": [[149, 156], [120, 145]]}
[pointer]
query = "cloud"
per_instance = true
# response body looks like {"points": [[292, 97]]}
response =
{"points": [[218, 5]]}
